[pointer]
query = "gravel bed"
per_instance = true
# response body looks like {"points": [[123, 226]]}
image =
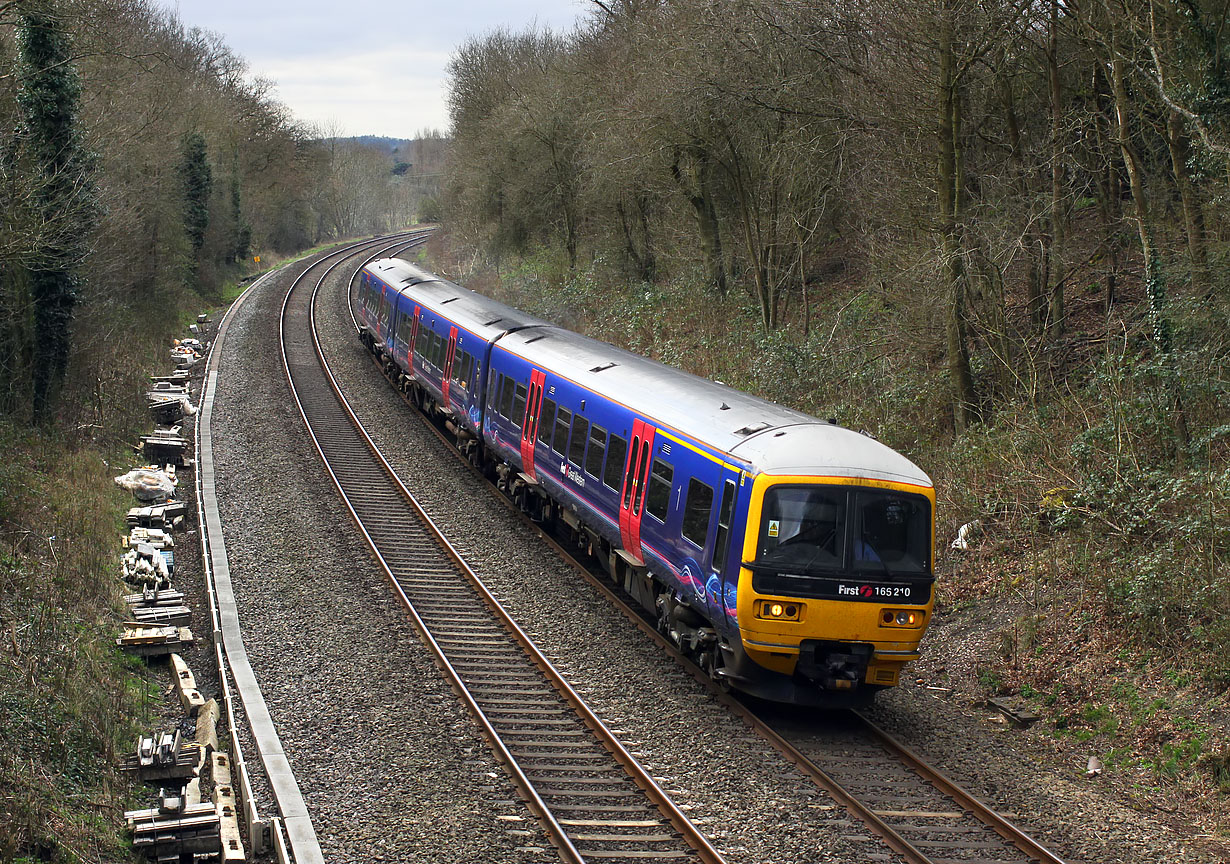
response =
{"points": [[390, 766], [358, 702]]}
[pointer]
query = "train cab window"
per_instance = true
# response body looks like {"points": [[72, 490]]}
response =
{"points": [[506, 397], [518, 406], [892, 532], [803, 527], [580, 432], [597, 452], [660, 490], [616, 453], [562, 421], [696, 512], [725, 516], [546, 422]]}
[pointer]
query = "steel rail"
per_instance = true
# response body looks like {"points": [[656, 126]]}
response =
{"points": [[557, 834]]}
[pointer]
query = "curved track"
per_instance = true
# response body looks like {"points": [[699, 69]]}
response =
{"points": [[591, 797], [230, 653], [921, 815]]}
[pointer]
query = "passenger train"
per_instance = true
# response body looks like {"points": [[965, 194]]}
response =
{"points": [[791, 557]]}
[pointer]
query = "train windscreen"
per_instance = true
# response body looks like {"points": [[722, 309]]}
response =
{"points": [[845, 529]]}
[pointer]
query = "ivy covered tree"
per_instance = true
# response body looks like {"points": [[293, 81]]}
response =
{"points": [[196, 180], [64, 199]]}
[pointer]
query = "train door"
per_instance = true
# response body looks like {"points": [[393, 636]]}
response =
{"points": [[722, 573], [632, 496], [448, 364], [414, 338], [529, 423]]}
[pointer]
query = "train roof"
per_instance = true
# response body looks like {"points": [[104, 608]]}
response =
{"points": [[769, 437], [481, 315]]}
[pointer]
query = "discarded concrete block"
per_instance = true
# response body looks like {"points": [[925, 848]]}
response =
{"points": [[228, 828], [185, 683], [207, 725]]}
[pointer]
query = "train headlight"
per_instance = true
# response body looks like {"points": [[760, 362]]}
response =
{"points": [[903, 617], [779, 610]]}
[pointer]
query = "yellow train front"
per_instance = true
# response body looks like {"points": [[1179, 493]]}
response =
{"points": [[835, 587]]}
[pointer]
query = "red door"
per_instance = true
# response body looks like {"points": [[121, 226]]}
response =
{"points": [[414, 336], [636, 479], [529, 423], [448, 363]]}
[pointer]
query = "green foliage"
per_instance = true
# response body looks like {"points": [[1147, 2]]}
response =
{"points": [[64, 199], [429, 210], [196, 183]]}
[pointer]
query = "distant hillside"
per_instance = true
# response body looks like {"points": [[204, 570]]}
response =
{"points": [[423, 155]]}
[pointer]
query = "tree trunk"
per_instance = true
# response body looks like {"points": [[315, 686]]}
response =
{"points": [[951, 181], [1155, 287], [1057, 272], [698, 195], [1193, 215]]}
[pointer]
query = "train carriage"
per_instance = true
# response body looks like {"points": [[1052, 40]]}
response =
{"points": [[791, 557], [437, 335]]}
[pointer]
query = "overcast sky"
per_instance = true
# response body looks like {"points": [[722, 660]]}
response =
{"points": [[372, 67]]}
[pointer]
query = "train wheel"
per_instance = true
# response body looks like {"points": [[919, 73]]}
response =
{"points": [[713, 663]]}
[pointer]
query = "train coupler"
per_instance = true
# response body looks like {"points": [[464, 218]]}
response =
{"points": [[833, 665]]}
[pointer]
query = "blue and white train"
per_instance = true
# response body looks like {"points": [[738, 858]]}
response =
{"points": [[791, 557]]}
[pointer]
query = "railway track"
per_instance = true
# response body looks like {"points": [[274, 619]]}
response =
{"points": [[594, 801], [922, 816]]}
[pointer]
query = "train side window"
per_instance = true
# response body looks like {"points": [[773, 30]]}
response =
{"points": [[725, 516], [597, 452], [562, 421], [494, 395], [506, 398], [546, 423], [660, 490], [642, 481], [580, 432], [616, 452], [420, 347], [518, 406], [439, 350], [696, 512]]}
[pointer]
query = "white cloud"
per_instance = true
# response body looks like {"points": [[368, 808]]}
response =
{"points": [[373, 93]]}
